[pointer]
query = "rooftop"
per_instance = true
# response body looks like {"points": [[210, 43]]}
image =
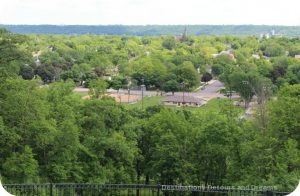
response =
{"points": [[187, 99], [297, 56]]}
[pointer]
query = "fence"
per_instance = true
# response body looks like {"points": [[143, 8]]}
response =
{"points": [[122, 190]]}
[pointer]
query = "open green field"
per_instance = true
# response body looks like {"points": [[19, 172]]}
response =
{"points": [[147, 102]]}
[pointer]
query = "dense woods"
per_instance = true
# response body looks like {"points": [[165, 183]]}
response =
{"points": [[49, 134], [154, 30]]}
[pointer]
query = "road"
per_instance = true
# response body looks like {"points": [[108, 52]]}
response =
{"points": [[209, 92]]}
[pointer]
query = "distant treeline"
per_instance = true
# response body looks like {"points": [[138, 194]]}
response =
{"points": [[140, 30]]}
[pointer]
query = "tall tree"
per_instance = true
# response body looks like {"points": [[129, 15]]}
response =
{"points": [[97, 88]]}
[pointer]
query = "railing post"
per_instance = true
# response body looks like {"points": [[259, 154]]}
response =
{"points": [[158, 189], [269, 193], [137, 190], [51, 189]]}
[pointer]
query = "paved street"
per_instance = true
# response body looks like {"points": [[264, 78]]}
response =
{"points": [[209, 92]]}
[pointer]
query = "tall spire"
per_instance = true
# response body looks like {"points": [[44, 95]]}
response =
{"points": [[184, 35], [185, 31]]}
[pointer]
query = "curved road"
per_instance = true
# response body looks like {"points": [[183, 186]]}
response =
{"points": [[211, 90]]}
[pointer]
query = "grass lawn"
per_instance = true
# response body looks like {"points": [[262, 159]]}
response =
{"points": [[212, 105], [220, 104], [148, 101], [80, 94]]}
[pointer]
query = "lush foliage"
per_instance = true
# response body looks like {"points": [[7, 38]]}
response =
{"points": [[48, 134]]}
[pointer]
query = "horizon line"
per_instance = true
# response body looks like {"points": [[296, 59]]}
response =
{"points": [[151, 24]]}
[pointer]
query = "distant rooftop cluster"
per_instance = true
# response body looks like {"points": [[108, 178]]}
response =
{"points": [[270, 34]]}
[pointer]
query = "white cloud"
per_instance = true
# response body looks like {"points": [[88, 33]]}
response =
{"points": [[150, 12]]}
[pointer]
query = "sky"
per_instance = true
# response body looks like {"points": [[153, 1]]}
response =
{"points": [[149, 12]]}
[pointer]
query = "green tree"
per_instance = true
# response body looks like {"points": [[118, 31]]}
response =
{"points": [[97, 88], [171, 86], [169, 141], [286, 169], [117, 82], [71, 75], [188, 74], [108, 155], [285, 110], [27, 72], [220, 63], [11, 57], [244, 84], [152, 72], [60, 149], [212, 138], [46, 72], [273, 49], [169, 43], [101, 63], [293, 74], [206, 77], [21, 167]]}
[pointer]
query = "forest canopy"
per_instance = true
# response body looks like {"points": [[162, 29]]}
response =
{"points": [[154, 30], [50, 134]]}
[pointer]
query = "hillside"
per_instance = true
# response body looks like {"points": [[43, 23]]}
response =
{"points": [[140, 30]]}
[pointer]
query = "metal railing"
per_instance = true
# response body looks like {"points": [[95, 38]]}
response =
{"points": [[71, 189]]}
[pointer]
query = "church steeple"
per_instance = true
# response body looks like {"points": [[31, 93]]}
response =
{"points": [[184, 35]]}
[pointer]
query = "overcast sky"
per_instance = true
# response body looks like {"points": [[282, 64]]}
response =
{"points": [[143, 12]]}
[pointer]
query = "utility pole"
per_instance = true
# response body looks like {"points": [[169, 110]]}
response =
{"points": [[183, 85], [142, 87], [128, 88], [128, 94], [120, 99]]}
